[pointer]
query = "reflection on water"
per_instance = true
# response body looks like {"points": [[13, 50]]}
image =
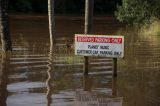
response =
{"points": [[138, 81], [37, 75], [84, 98], [49, 79], [87, 97]]}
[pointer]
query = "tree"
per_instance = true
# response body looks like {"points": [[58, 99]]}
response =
{"points": [[5, 61], [4, 26], [51, 21], [89, 7], [138, 11], [20, 5]]}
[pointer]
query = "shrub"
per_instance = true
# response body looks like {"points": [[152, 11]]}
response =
{"points": [[139, 12]]}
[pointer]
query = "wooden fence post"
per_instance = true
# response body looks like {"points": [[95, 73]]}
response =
{"points": [[114, 86], [114, 67]]}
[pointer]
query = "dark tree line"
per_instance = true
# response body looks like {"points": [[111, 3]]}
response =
{"points": [[4, 26], [138, 11], [62, 6]]}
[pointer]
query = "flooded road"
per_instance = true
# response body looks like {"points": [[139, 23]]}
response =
{"points": [[37, 75]]}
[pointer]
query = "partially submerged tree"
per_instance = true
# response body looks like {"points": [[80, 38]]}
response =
{"points": [[89, 7], [5, 61], [4, 26], [51, 21]]}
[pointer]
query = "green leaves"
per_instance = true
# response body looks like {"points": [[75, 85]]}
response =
{"points": [[138, 11]]}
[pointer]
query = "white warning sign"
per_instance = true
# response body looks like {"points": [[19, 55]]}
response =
{"points": [[99, 45]]}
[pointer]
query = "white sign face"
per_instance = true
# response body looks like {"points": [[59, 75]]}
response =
{"points": [[99, 45]]}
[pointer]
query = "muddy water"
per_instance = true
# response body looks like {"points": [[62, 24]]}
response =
{"points": [[37, 75]]}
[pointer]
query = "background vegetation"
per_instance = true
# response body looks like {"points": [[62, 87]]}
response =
{"points": [[131, 12], [62, 6], [138, 11]]}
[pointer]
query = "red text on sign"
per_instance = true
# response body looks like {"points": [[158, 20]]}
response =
{"points": [[99, 39]]}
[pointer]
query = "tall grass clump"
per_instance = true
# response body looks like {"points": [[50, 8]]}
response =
{"points": [[151, 29]]}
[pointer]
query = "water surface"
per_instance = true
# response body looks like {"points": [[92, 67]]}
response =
{"points": [[38, 75]]}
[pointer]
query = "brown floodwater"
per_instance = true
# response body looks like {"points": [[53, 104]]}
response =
{"points": [[37, 75]]}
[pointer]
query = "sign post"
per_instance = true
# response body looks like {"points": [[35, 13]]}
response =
{"points": [[114, 67], [100, 45]]}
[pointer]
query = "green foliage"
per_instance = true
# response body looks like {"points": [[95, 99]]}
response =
{"points": [[68, 6], [105, 6], [62, 6], [138, 11], [39, 6], [20, 5], [151, 29]]}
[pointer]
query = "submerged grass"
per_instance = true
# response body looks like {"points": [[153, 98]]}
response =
{"points": [[73, 59], [151, 29], [66, 54]]}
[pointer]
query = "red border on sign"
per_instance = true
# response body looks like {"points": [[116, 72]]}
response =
{"points": [[99, 39]]}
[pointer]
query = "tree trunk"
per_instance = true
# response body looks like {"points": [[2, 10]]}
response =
{"points": [[89, 6], [5, 61], [4, 26], [51, 21]]}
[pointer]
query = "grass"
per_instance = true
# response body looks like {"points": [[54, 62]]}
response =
{"points": [[151, 29], [73, 59]]}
